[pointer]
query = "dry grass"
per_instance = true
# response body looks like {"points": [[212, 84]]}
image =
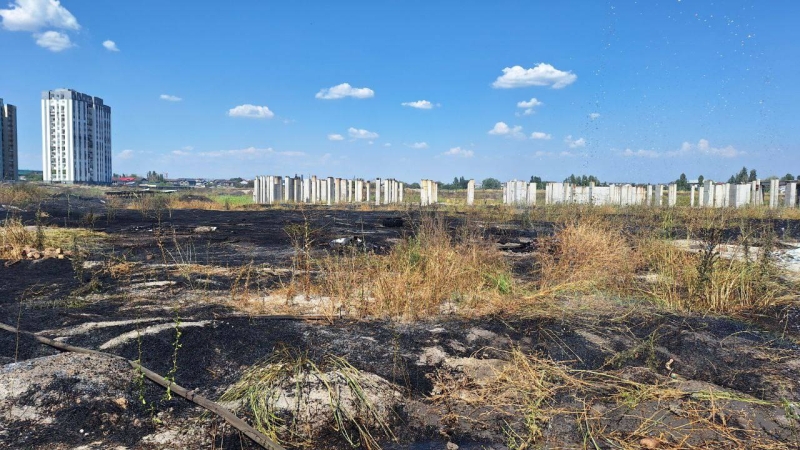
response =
{"points": [[294, 400], [526, 392], [585, 256], [21, 194], [706, 282], [596, 255], [15, 237], [421, 276]]}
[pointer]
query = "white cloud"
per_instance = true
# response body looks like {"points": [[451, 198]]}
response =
{"points": [[53, 41], [34, 15], [640, 153], [574, 143], [501, 129], [251, 111], [543, 153], [541, 75], [335, 137], [594, 116], [170, 98], [182, 152], [567, 154], [532, 103], [125, 154], [703, 147], [110, 46], [387, 144], [540, 135], [419, 104], [357, 133], [418, 145], [460, 152], [530, 106], [344, 90]]}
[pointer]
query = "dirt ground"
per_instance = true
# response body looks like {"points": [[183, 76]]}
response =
{"points": [[659, 379]]}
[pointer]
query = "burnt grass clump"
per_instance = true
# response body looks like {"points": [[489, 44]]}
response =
{"points": [[204, 296]]}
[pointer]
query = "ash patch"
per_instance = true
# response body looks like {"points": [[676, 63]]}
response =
{"points": [[68, 400]]}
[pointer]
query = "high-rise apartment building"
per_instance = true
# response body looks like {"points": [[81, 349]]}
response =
{"points": [[76, 138], [8, 142]]}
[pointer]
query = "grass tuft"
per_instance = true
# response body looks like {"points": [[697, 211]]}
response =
{"points": [[295, 401]]}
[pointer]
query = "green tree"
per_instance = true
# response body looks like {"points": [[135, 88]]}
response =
{"points": [[741, 177], [788, 177], [582, 180], [491, 183], [753, 176], [682, 182], [701, 179], [538, 181]]}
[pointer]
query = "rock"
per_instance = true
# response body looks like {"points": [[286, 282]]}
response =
{"points": [[205, 229], [431, 356], [451, 446]]}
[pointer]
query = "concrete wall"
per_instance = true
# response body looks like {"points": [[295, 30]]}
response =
{"points": [[269, 189]]}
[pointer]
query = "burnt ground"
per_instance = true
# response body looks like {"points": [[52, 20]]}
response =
{"points": [[716, 382]]}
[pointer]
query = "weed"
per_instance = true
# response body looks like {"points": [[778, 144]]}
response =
{"points": [[294, 400], [176, 345]]}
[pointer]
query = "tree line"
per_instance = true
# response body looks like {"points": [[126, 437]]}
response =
{"points": [[741, 177]]}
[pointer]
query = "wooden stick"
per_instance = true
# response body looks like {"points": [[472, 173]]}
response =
{"points": [[257, 437]]}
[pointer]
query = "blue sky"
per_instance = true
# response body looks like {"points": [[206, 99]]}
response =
{"points": [[625, 90]]}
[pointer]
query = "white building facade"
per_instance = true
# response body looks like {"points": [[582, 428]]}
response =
{"points": [[76, 138], [9, 164]]}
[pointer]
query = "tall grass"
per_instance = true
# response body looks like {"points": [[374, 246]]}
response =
{"points": [[584, 256], [706, 282], [21, 194], [596, 255], [426, 274]]}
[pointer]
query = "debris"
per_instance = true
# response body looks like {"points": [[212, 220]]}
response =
{"points": [[47, 253], [350, 241], [205, 229]]}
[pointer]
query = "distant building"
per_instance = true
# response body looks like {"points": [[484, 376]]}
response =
{"points": [[9, 163], [76, 138]]}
